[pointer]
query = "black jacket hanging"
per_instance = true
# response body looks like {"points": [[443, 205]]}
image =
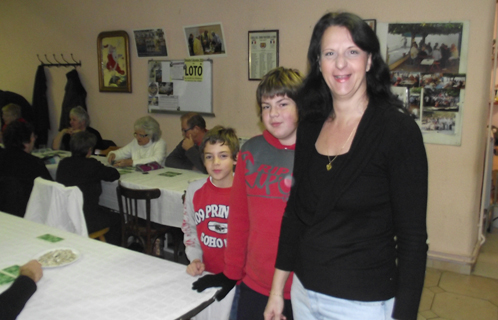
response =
{"points": [[75, 96], [40, 107]]}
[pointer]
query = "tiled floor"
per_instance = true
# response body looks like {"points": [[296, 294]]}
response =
{"points": [[449, 295], [453, 296]]}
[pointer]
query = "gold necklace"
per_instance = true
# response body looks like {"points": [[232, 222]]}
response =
{"points": [[329, 165]]}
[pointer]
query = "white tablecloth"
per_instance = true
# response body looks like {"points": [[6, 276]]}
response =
{"points": [[106, 282], [168, 209]]}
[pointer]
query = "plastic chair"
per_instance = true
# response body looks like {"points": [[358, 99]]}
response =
{"points": [[142, 230], [53, 204]]}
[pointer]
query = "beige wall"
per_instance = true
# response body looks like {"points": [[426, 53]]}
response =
{"points": [[31, 27]]}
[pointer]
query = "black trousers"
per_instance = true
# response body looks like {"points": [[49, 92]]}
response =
{"points": [[252, 305]]}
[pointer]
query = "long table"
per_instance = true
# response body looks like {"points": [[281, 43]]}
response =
{"points": [[106, 282], [168, 209]]}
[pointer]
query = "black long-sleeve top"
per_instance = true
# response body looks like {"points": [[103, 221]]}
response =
{"points": [[13, 299], [358, 231]]}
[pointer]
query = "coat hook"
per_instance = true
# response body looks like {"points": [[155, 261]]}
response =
{"points": [[58, 63], [39, 59], [79, 63], [62, 56], [49, 60]]}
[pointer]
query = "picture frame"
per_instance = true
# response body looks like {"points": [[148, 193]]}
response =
{"points": [[151, 42], [372, 23], [205, 40], [263, 52], [113, 50]]}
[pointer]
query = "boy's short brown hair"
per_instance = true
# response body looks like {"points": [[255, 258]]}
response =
{"points": [[279, 82], [225, 136]]}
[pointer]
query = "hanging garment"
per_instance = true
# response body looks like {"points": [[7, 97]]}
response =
{"points": [[40, 107], [75, 96]]}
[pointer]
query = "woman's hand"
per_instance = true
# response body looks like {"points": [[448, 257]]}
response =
{"points": [[274, 308], [32, 269], [111, 157], [196, 267], [124, 163]]}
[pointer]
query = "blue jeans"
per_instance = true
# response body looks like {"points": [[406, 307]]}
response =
{"points": [[311, 305]]}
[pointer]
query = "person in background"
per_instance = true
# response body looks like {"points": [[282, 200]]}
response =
{"points": [[191, 44], [260, 190], [206, 41], [354, 229], [147, 146], [13, 300], [413, 52], [18, 168], [10, 113], [198, 50], [85, 172], [79, 121], [219, 150], [186, 154], [216, 42]]}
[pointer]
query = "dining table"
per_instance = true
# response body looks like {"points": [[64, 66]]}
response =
{"points": [[167, 210], [103, 282]]}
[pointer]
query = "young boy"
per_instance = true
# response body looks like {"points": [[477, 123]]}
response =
{"points": [[261, 187], [206, 213]]}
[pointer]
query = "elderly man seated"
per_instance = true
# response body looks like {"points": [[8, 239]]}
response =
{"points": [[186, 154]]}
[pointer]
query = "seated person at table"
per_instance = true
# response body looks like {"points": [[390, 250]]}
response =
{"points": [[147, 146], [79, 121], [12, 300], [186, 154], [18, 168], [10, 113], [86, 173], [219, 151]]}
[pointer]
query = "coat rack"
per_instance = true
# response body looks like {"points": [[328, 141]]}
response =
{"points": [[59, 64]]}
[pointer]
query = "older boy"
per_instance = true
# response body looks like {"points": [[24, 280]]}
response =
{"points": [[261, 187], [206, 213]]}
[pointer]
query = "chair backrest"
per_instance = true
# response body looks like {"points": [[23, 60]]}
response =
{"points": [[55, 205], [129, 209]]}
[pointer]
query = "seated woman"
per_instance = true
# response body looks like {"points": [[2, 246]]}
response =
{"points": [[145, 148], [10, 113], [86, 173], [79, 121], [18, 168]]}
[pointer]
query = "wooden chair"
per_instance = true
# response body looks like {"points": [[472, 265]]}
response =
{"points": [[436, 66], [105, 152], [99, 234], [142, 230]]}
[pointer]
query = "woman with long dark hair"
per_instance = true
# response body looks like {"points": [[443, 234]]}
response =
{"points": [[354, 229]]}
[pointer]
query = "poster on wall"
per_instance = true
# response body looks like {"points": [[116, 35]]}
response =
{"points": [[430, 59], [205, 40], [150, 42]]}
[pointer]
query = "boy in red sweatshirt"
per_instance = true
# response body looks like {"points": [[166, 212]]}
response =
{"points": [[261, 187], [206, 213]]}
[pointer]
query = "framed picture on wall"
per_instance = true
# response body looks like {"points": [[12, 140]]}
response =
{"points": [[150, 42], [263, 52], [372, 23], [114, 61], [205, 40]]}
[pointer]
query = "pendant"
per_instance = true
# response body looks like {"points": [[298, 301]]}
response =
{"points": [[329, 166]]}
